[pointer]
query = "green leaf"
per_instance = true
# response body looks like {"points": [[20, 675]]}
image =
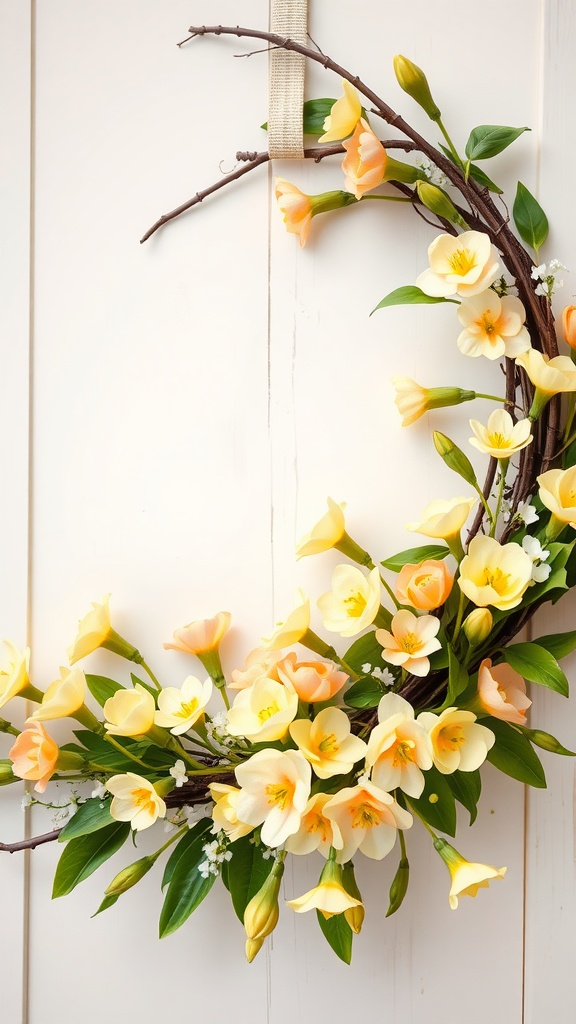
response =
{"points": [[366, 693], [415, 556], [103, 753], [188, 846], [466, 787], [364, 651], [315, 113], [90, 817], [102, 688], [107, 902], [186, 890], [147, 686], [246, 873], [559, 645], [513, 754], [538, 665], [457, 679], [409, 295], [488, 140], [529, 218], [338, 935], [82, 856], [482, 179], [440, 812], [399, 887]]}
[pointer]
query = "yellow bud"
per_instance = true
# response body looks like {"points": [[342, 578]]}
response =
{"points": [[128, 877], [354, 915], [454, 458], [477, 626], [439, 202], [412, 80], [253, 947], [261, 914]]}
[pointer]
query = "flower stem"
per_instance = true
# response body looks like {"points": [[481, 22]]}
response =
{"points": [[389, 199], [491, 398], [149, 671], [451, 145], [389, 591], [459, 617], [503, 464], [123, 750]]}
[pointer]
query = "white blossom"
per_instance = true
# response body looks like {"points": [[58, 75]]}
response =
{"points": [[178, 772]]}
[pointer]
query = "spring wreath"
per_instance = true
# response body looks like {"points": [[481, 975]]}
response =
{"points": [[356, 749]]}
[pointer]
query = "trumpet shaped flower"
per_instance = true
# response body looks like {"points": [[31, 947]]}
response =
{"points": [[411, 640], [495, 574], [313, 681], [493, 326], [458, 742], [327, 743], [464, 265], [63, 697], [344, 115], [443, 519], [467, 878], [326, 533], [292, 629], [502, 692], [201, 636], [558, 493], [364, 165], [412, 400], [329, 897], [14, 676], [259, 664], [353, 603], [34, 756], [275, 787], [399, 748], [129, 712]]}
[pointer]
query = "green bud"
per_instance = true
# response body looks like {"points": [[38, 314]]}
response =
{"points": [[397, 170], [547, 742], [6, 774], [128, 877], [477, 626], [455, 458], [399, 886], [439, 202], [412, 80]]}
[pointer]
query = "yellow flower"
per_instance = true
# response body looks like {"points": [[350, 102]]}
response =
{"points": [[458, 742], [569, 325], [14, 678], [364, 165], [411, 639], [501, 437], [493, 326], [326, 533], [495, 574], [558, 493], [467, 877], [398, 748], [224, 811], [353, 603], [136, 800], [129, 712], [262, 913], [365, 818], [179, 710], [329, 897], [549, 377], [93, 630], [34, 756], [275, 786], [412, 400], [343, 117], [443, 519], [293, 629], [262, 712], [315, 831], [202, 636], [465, 265], [327, 743], [63, 697], [502, 692]]}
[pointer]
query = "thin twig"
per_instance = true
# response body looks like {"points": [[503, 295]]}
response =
{"points": [[30, 844]]}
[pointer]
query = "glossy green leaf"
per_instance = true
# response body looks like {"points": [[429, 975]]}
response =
{"points": [[514, 755], [537, 664], [82, 856], [466, 787], [102, 688], [529, 218], [482, 179], [186, 890], [142, 682], [410, 295], [457, 679], [488, 140], [247, 870], [399, 887], [366, 693], [364, 651], [338, 935], [415, 556], [559, 645], [89, 817], [189, 846], [436, 805], [107, 902]]}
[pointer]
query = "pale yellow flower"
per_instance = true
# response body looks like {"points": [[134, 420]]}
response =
{"points": [[411, 640], [353, 603], [326, 533], [129, 712], [201, 636], [493, 326], [550, 376], [344, 115], [364, 165], [365, 818], [263, 712], [458, 742], [502, 692], [63, 697], [180, 709], [501, 437], [495, 574], [465, 265], [275, 786], [313, 681], [14, 677], [224, 813], [135, 800], [443, 519], [34, 756], [558, 493], [467, 877], [329, 897], [93, 630], [398, 748], [293, 629], [327, 743], [315, 831], [412, 400]]}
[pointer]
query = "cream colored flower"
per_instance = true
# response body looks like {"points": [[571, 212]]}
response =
{"points": [[63, 697], [425, 586], [93, 630], [411, 640], [364, 165], [313, 681], [293, 629], [315, 831], [259, 664], [550, 376], [34, 756], [263, 712], [495, 574], [224, 813], [365, 818], [179, 710], [458, 742], [353, 603], [329, 897], [326, 533], [501, 437], [412, 400], [398, 748], [493, 326], [275, 786], [201, 636], [558, 493], [14, 677], [327, 743], [443, 519], [502, 692], [467, 878], [135, 800], [465, 265], [344, 115], [129, 712]]}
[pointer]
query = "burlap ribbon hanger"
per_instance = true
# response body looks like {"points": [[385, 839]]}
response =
{"points": [[288, 18]]}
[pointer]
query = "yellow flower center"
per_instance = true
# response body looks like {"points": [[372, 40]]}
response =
{"points": [[279, 794], [462, 261], [355, 605], [451, 737], [423, 581], [328, 745], [187, 709], [497, 440], [410, 643], [265, 713], [496, 579], [403, 752], [316, 823], [486, 323], [141, 797], [365, 816]]}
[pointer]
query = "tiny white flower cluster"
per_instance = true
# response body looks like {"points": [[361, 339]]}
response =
{"points": [[545, 274], [216, 853], [525, 512], [533, 547], [178, 772], [383, 675], [432, 172], [217, 730], [99, 791]]}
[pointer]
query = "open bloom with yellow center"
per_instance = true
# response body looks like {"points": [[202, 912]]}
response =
{"points": [[179, 710], [364, 165], [313, 681], [353, 603], [412, 639], [14, 676], [493, 326], [399, 748], [201, 636], [495, 574], [443, 519], [224, 813], [465, 265], [293, 629], [467, 878], [412, 400], [34, 756], [344, 115], [315, 831], [502, 692], [259, 663], [129, 712], [263, 712], [501, 437], [63, 697], [326, 533], [569, 325], [275, 786], [558, 493], [136, 800], [425, 586], [327, 743], [458, 742], [365, 818], [329, 897]]}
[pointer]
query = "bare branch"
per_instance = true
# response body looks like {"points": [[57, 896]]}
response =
{"points": [[30, 844]]}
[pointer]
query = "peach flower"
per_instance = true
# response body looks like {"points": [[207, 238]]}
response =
{"points": [[259, 664], [34, 756], [365, 162], [201, 636], [569, 325], [493, 326], [502, 692], [315, 832], [313, 681], [424, 586]]}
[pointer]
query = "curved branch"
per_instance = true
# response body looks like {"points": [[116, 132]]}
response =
{"points": [[30, 844]]}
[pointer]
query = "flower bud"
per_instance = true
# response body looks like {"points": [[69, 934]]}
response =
{"points": [[454, 458], [6, 774], [477, 626], [399, 886], [547, 742], [128, 877], [354, 915], [412, 80], [569, 325], [439, 202], [261, 914]]}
